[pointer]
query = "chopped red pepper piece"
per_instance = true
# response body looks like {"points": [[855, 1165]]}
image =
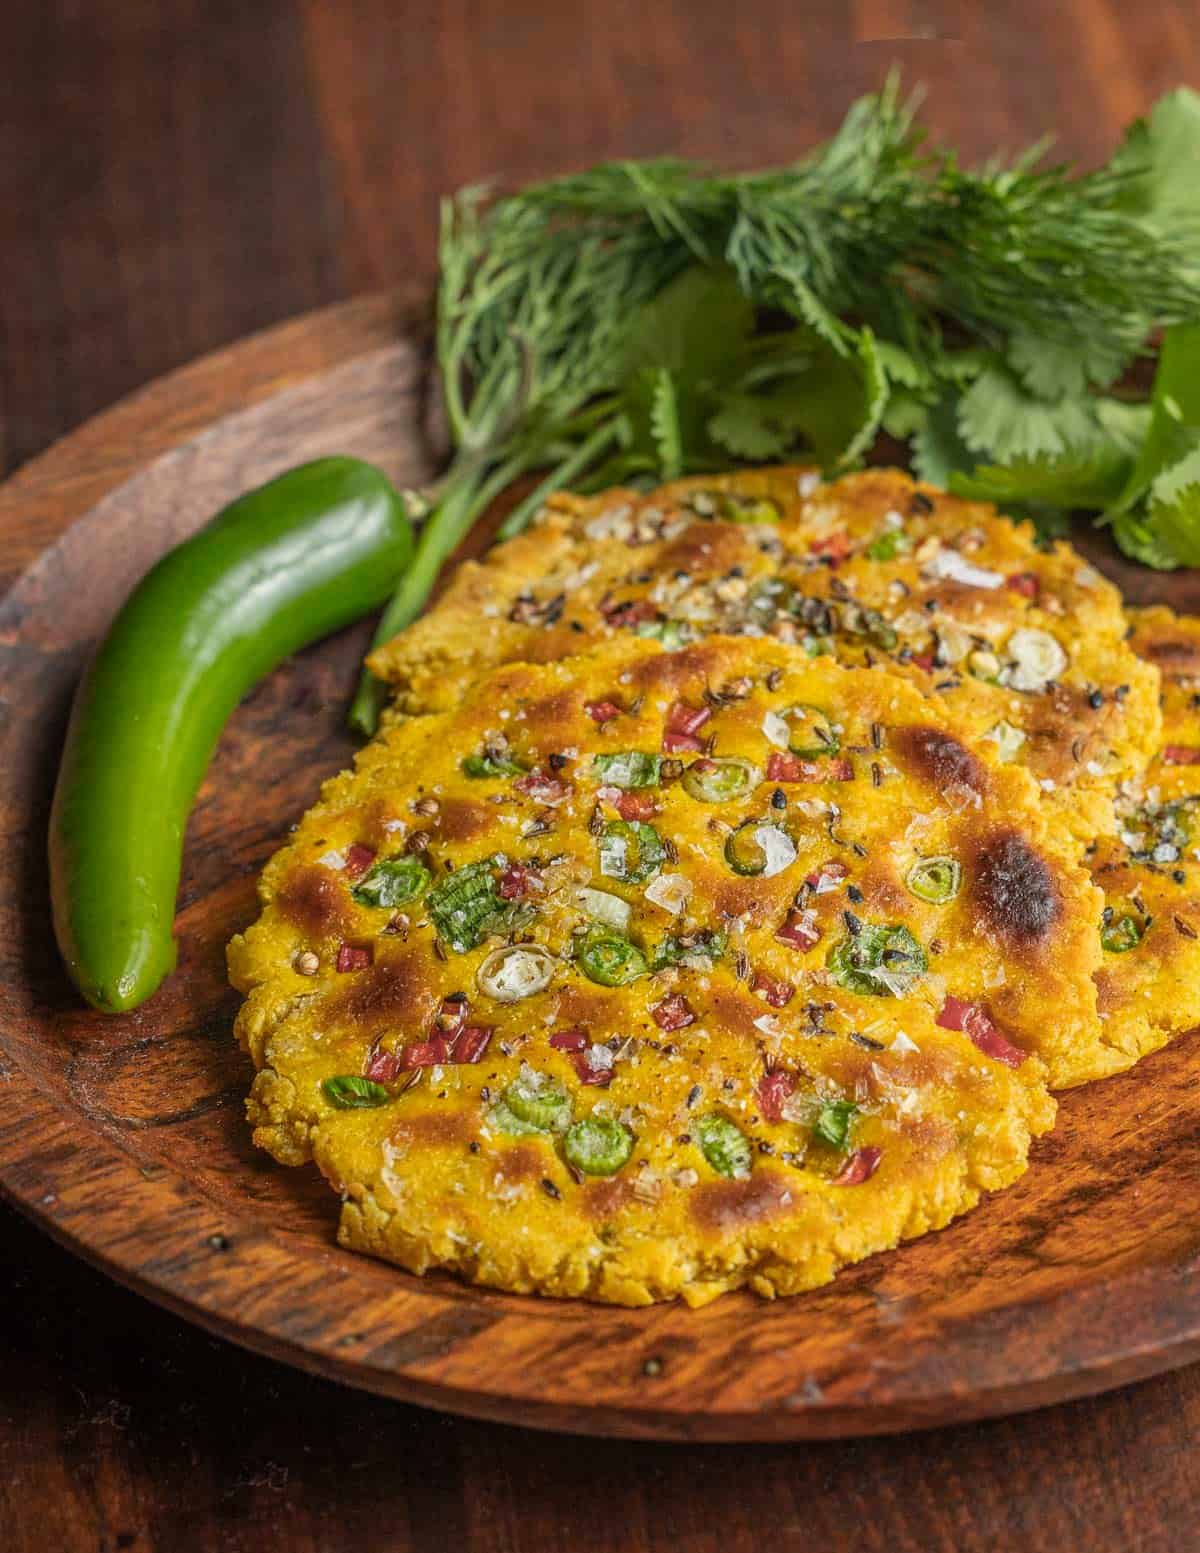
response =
{"points": [[382, 1066], [1024, 583], [569, 1040], [451, 1016], [601, 1077], [830, 873], [772, 1090], [467, 1045], [633, 805], [777, 993], [673, 1013], [358, 860], [682, 727], [1181, 755], [602, 712], [542, 787], [782, 767], [517, 881], [354, 957], [800, 930], [834, 548], [975, 1024], [841, 769], [860, 1167], [923, 660]]}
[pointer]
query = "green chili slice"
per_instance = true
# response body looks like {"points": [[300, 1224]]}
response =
{"points": [[833, 1121], [810, 732], [714, 780], [610, 961], [537, 1101], [1122, 933], [935, 879], [491, 766], [598, 1145], [671, 633], [878, 961], [628, 768], [630, 851], [724, 1146], [888, 545], [393, 882], [746, 509], [351, 1092]]}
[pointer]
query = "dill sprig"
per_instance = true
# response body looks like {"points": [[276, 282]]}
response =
{"points": [[646, 318]]}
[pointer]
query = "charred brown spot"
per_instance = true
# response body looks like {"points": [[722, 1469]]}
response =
{"points": [[690, 669], [431, 1129], [749, 898], [463, 819], [581, 1006], [1172, 656], [523, 1163], [734, 1011], [546, 716], [315, 900], [395, 991], [938, 758], [706, 550], [1014, 888], [604, 1199], [721, 1206]]}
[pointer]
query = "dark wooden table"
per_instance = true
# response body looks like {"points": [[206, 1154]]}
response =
{"points": [[176, 173]]}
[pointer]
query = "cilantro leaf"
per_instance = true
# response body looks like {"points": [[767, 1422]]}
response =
{"points": [[1057, 369], [1173, 515], [1174, 413], [1089, 477], [938, 450], [664, 425], [997, 416], [750, 426], [1160, 160]]}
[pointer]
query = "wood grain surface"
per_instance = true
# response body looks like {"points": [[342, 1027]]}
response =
{"points": [[181, 173]]}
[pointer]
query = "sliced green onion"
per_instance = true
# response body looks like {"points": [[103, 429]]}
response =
{"points": [[935, 879], [350, 1092], [610, 961], [393, 882], [724, 1146], [538, 1101], [888, 545], [832, 1125], [671, 633], [491, 766], [722, 780], [628, 768], [810, 731], [598, 1145], [466, 906], [630, 851], [704, 948], [878, 961], [746, 509]]}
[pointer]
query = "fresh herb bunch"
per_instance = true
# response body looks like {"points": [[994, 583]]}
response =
{"points": [[648, 319]]}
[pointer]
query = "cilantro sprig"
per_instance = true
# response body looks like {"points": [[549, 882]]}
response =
{"points": [[643, 320]]}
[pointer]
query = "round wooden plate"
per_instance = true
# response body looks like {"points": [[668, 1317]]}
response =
{"points": [[125, 1138]]}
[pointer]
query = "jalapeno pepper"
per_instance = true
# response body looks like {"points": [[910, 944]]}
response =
{"points": [[284, 565]]}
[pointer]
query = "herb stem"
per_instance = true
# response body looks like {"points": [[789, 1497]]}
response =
{"points": [[562, 474]]}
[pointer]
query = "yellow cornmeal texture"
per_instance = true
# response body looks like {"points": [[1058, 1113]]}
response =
{"points": [[1149, 983], [1026, 645], [708, 1185]]}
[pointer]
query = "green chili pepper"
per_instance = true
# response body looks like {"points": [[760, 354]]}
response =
{"points": [[714, 780], [1122, 933], [628, 768], [630, 851], [536, 1102], [888, 545], [744, 853], [392, 882], [609, 960], [879, 961], [284, 565], [745, 509], [724, 1146], [935, 879], [350, 1092], [491, 766], [832, 1125], [810, 732], [598, 1145]]}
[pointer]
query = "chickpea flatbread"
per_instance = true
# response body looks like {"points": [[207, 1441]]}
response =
{"points": [[1149, 984], [652, 974], [1025, 644]]}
